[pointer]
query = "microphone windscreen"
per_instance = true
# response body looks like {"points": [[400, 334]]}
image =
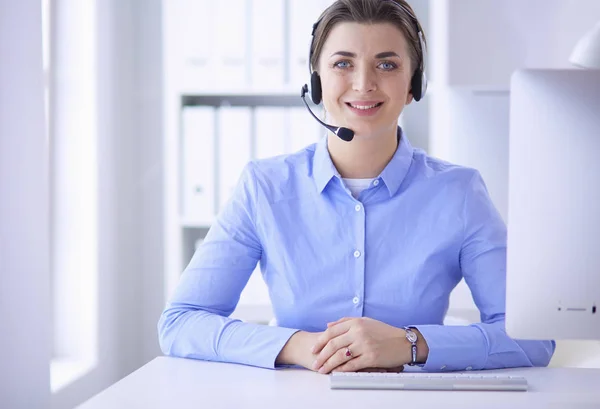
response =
{"points": [[345, 134]]}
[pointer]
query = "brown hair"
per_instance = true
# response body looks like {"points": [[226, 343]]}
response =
{"points": [[397, 12]]}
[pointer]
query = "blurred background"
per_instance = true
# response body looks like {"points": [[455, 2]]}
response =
{"points": [[151, 110]]}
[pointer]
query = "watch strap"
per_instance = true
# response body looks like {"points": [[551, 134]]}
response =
{"points": [[413, 346]]}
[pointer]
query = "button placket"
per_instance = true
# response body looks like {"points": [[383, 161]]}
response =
{"points": [[359, 223]]}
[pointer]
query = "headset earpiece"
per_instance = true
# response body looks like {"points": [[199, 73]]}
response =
{"points": [[316, 92], [418, 84]]}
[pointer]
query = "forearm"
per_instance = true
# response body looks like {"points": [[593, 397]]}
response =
{"points": [[480, 346], [202, 335]]}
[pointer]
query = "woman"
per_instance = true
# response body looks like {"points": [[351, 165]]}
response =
{"points": [[360, 242]]}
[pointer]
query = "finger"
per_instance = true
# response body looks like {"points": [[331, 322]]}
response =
{"points": [[352, 365], [329, 324], [331, 348], [396, 369], [368, 370], [344, 368], [337, 359], [328, 335]]}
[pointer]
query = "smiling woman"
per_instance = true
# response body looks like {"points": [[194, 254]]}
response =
{"points": [[360, 240], [366, 88]]}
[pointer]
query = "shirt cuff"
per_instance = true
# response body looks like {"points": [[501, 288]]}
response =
{"points": [[276, 338], [454, 348]]}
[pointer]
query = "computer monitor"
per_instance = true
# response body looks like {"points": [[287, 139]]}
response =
{"points": [[553, 259]]}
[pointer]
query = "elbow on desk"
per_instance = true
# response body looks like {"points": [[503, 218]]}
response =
{"points": [[175, 328], [550, 348], [169, 326], [539, 352]]}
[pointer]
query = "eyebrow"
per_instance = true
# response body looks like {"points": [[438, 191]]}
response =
{"points": [[385, 54]]}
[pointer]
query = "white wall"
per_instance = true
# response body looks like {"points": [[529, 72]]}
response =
{"points": [[475, 47], [24, 211], [148, 100], [130, 194]]}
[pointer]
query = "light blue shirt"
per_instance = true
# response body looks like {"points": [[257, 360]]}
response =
{"points": [[394, 254]]}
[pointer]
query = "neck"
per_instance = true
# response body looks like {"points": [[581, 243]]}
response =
{"points": [[363, 157]]}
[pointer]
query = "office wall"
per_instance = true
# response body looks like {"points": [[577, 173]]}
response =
{"points": [[475, 45], [148, 100], [24, 212], [130, 278]]}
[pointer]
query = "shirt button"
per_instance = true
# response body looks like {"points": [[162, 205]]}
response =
{"points": [[356, 254], [376, 182], [469, 368], [355, 300], [357, 208]]}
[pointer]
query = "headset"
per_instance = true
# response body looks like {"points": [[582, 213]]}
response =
{"points": [[418, 81]]}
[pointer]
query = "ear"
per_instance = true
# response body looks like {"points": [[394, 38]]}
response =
{"points": [[409, 98]]}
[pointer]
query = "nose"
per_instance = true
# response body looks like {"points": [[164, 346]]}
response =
{"points": [[365, 80]]}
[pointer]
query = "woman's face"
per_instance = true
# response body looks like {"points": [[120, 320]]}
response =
{"points": [[365, 73]]}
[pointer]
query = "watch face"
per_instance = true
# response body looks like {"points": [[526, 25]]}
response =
{"points": [[411, 336]]}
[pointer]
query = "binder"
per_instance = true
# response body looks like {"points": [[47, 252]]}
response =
{"points": [[303, 129], [271, 132], [195, 28], [231, 37], [234, 125], [267, 43], [302, 15], [198, 153]]}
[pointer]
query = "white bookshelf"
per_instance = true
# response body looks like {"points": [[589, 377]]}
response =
{"points": [[201, 68], [474, 45], [191, 80]]}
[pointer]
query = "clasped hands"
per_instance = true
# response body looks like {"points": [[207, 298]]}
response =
{"points": [[353, 345]]}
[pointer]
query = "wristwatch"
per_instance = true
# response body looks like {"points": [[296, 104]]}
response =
{"points": [[411, 336]]}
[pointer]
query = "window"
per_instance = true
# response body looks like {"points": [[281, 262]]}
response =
{"points": [[69, 45]]}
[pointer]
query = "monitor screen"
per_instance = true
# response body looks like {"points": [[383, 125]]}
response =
{"points": [[553, 256]]}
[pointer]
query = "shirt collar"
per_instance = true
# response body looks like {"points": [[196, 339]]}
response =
{"points": [[323, 168], [392, 175], [396, 170]]}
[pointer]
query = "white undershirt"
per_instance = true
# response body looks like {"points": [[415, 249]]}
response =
{"points": [[356, 186]]}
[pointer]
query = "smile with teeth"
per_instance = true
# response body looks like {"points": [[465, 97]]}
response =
{"points": [[365, 107]]}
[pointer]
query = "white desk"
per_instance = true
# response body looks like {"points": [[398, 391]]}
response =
{"points": [[174, 383]]}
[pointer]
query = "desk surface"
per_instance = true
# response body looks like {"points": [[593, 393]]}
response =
{"points": [[184, 383]]}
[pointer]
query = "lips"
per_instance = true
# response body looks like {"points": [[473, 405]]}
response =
{"points": [[364, 105], [364, 108]]}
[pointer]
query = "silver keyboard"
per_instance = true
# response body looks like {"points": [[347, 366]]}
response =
{"points": [[426, 381]]}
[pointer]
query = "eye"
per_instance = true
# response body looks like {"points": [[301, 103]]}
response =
{"points": [[342, 64], [388, 66]]}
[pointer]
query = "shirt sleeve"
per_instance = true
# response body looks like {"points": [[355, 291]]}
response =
{"points": [[482, 345], [195, 322]]}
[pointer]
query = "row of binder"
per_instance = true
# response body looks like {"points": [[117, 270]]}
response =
{"points": [[217, 142], [241, 43]]}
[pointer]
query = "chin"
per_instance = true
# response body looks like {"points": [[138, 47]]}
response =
{"points": [[370, 131]]}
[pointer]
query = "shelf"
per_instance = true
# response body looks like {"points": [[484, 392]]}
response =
{"points": [[475, 89], [190, 224], [245, 100], [248, 90]]}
